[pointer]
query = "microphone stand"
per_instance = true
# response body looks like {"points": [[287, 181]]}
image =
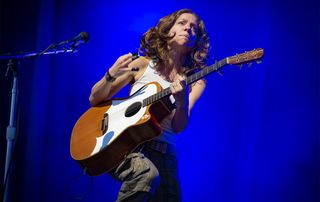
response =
{"points": [[11, 129], [53, 49]]}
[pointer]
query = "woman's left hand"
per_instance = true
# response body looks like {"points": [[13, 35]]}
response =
{"points": [[179, 91]]}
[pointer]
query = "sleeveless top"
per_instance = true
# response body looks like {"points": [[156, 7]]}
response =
{"points": [[150, 75]]}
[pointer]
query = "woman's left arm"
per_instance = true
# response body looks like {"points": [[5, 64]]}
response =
{"points": [[184, 105]]}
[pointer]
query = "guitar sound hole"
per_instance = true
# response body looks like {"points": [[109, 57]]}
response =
{"points": [[133, 109]]}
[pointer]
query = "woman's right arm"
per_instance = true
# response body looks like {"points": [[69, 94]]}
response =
{"points": [[122, 71], [104, 90]]}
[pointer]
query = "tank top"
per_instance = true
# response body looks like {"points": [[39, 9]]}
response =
{"points": [[150, 74]]}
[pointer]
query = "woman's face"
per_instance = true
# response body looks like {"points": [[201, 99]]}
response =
{"points": [[185, 30]]}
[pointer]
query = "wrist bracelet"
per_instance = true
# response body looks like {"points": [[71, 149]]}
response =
{"points": [[109, 78]]}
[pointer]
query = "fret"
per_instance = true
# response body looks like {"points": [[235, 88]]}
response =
{"points": [[163, 93]]}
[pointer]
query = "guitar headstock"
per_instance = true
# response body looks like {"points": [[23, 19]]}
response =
{"points": [[247, 57]]}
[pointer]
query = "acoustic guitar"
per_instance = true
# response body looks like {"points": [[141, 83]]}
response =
{"points": [[106, 133]]}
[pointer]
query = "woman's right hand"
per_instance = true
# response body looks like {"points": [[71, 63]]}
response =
{"points": [[121, 65]]}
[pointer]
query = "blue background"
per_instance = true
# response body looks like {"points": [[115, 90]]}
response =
{"points": [[253, 136]]}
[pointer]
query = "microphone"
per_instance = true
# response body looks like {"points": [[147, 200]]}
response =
{"points": [[83, 37], [66, 46]]}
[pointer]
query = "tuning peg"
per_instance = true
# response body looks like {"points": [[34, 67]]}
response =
{"points": [[220, 72], [259, 61]]}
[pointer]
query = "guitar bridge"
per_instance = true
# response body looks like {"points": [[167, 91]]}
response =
{"points": [[104, 123]]}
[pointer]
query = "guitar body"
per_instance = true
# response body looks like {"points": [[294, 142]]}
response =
{"points": [[106, 133]]}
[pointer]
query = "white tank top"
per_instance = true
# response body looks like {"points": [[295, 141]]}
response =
{"points": [[150, 75]]}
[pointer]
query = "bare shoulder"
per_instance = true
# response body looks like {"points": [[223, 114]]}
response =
{"points": [[141, 63], [198, 85]]}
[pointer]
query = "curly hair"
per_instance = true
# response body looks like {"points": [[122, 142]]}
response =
{"points": [[154, 43]]}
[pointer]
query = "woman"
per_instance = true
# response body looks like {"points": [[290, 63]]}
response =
{"points": [[177, 46]]}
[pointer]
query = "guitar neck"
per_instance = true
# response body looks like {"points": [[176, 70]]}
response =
{"points": [[190, 79], [206, 71]]}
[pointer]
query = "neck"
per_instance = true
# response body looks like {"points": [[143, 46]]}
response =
{"points": [[176, 60], [174, 64]]}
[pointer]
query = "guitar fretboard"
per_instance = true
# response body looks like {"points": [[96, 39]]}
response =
{"points": [[190, 79]]}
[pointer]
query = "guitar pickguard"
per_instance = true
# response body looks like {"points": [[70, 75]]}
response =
{"points": [[117, 120]]}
